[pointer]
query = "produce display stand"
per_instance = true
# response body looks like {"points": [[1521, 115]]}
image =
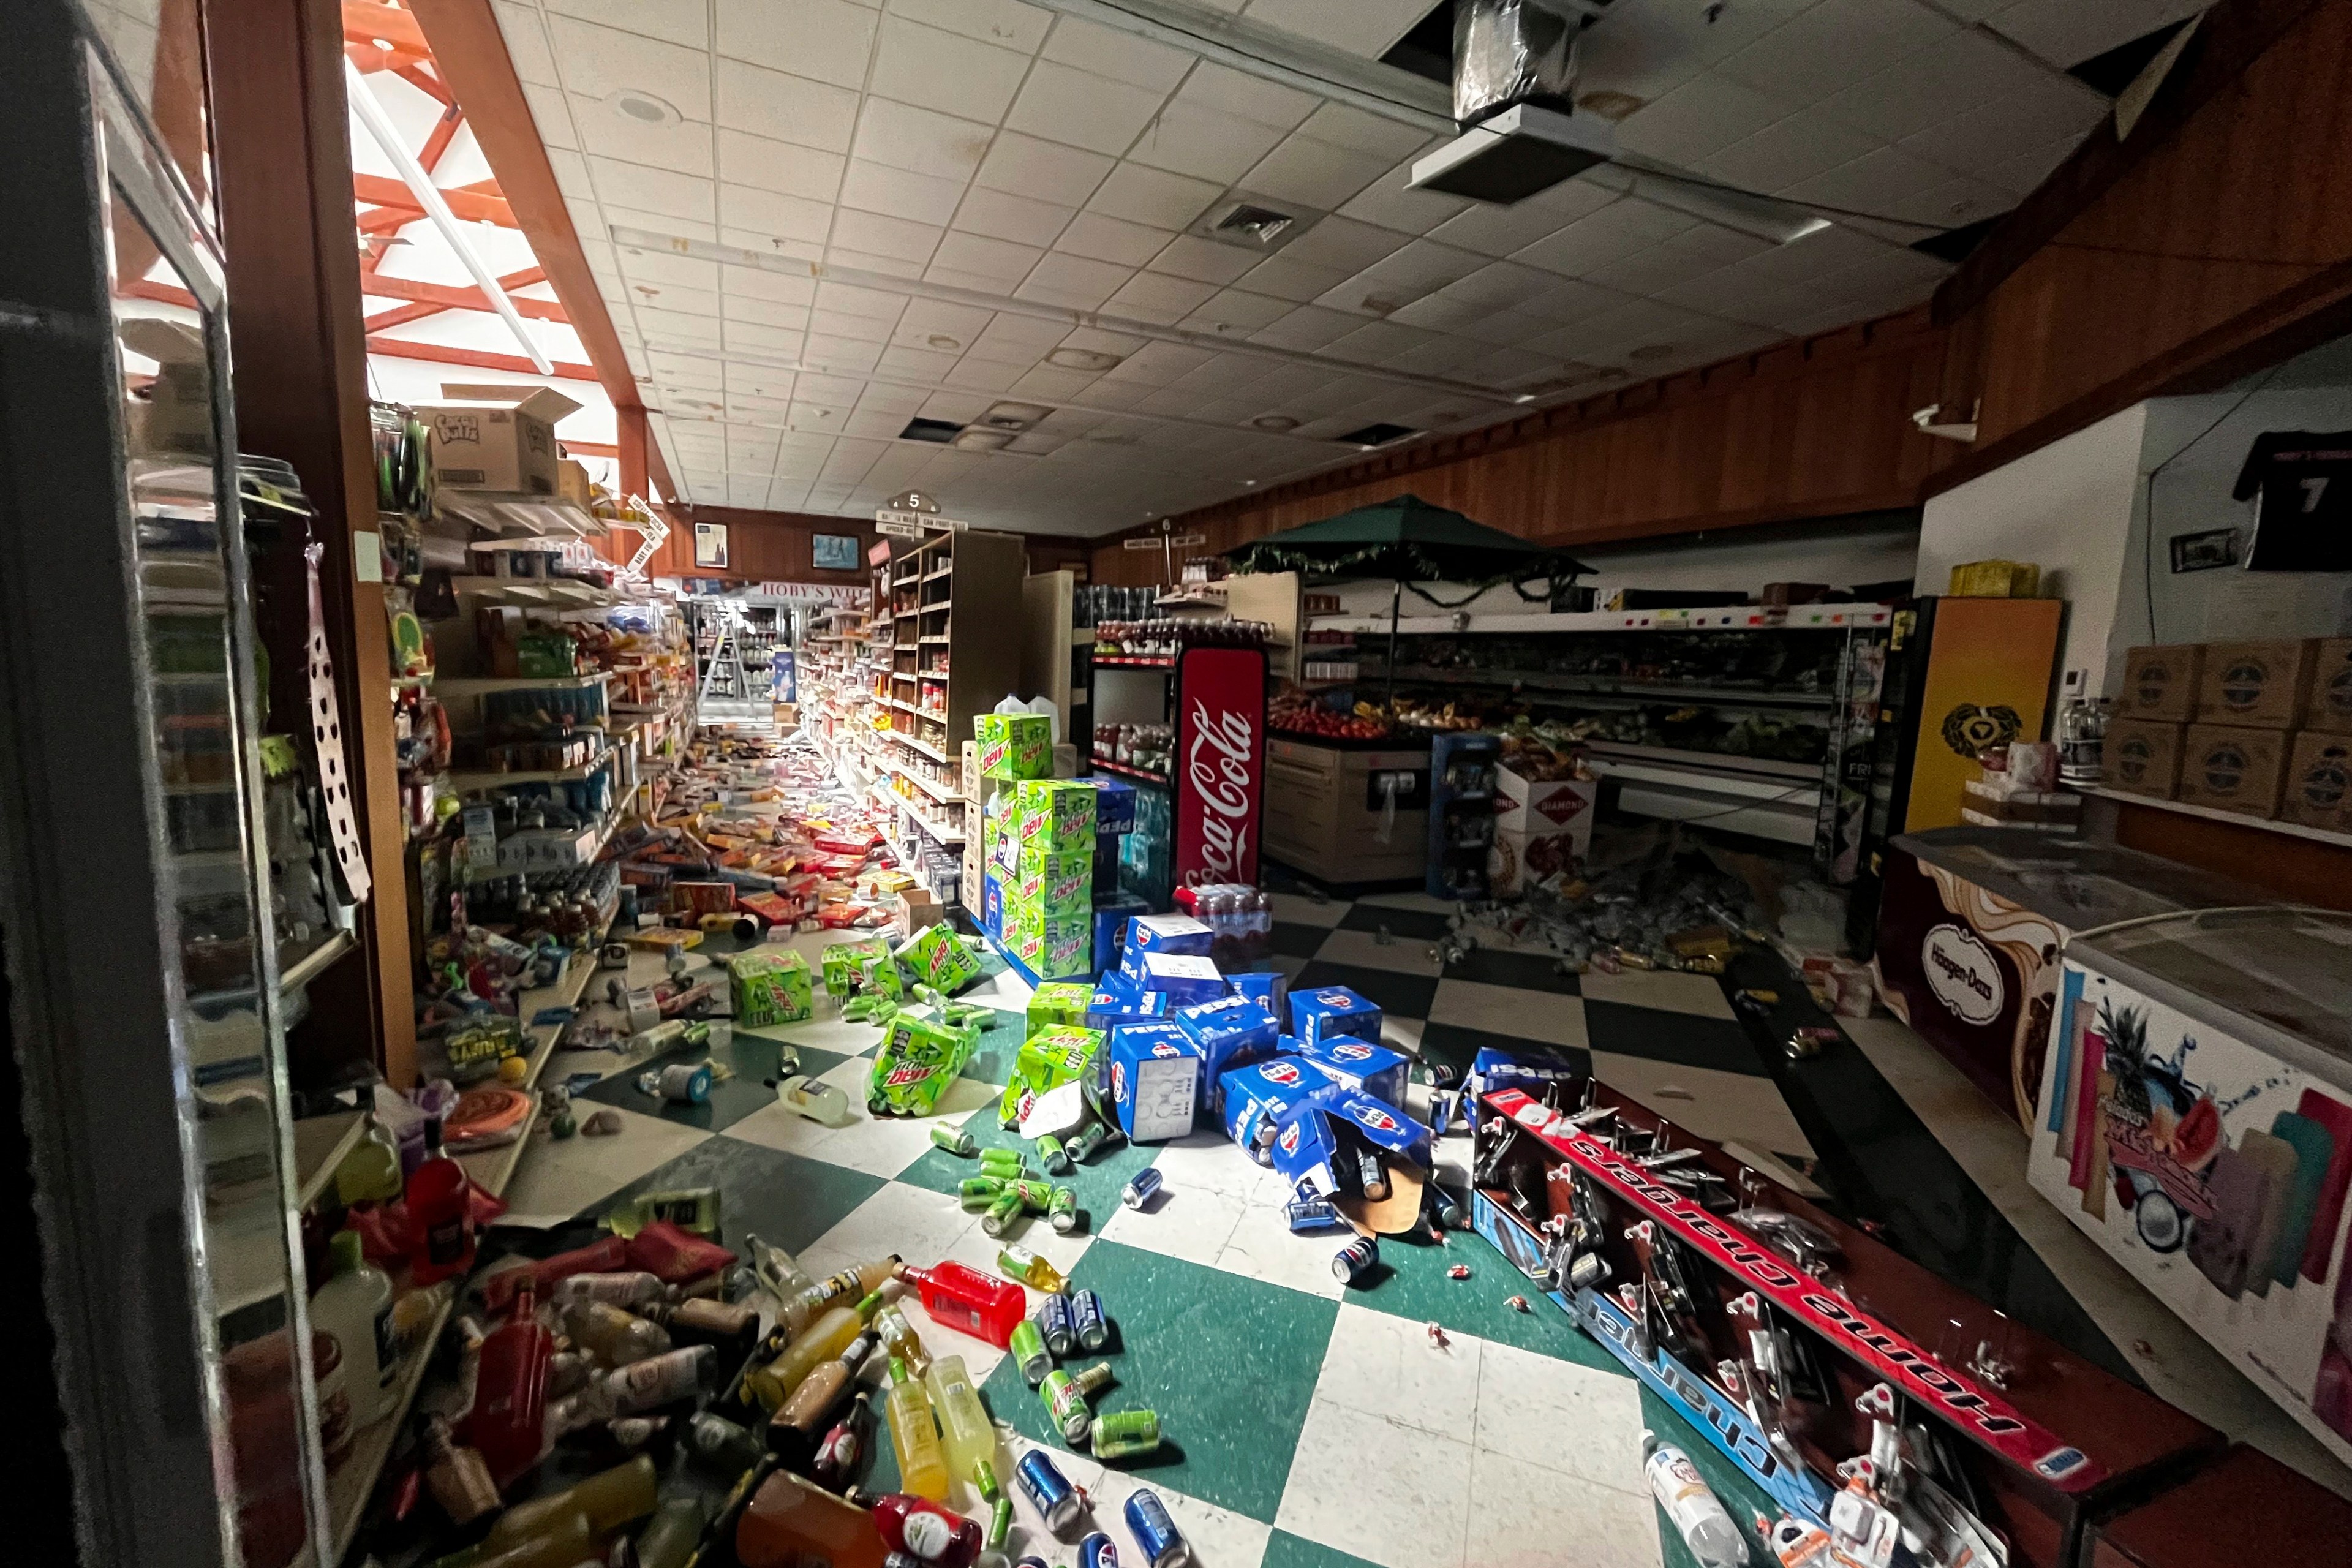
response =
{"points": [[2029, 1439]]}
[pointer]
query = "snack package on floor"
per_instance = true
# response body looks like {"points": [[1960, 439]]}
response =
{"points": [[914, 1065], [1014, 746], [1329, 1010], [1187, 980], [1231, 1031], [1058, 1003], [1048, 1059], [937, 957], [1155, 1079], [1258, 1097], [770, 986], [1163, 934], [1358, 1065]]}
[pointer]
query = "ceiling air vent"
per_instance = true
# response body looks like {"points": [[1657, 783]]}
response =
{"points": [[1253, 223], [1376, 434], [938, 431]]}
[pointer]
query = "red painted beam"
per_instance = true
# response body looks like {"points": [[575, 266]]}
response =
{"points": [[364, 23], [435, 298], [377, 191], [441, 354]]}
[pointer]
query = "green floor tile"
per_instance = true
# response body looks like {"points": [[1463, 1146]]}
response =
{"points": [[1741, 1498], [785, 1198], [1097, 1182], [1230, 1364], [1000, 1042], [1284, 1550], [1413, 1283]]}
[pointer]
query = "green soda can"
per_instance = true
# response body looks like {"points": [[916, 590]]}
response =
{"points": [[954, 1140], [1051, 1155], [980, 1194], [1001, 1161], [1124, 1434], [1001, 1214], [984, 1476], [1000, 1524], [1038, 1196], [1068, 1407], [1062, 1210], [1081, 1148], [1028, 1348]]}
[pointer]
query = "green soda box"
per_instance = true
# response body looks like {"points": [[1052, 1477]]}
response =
{"points": [[916, 1062], [1049, 1059], [1014, 746], [1054, 948], [770, 986], [844, 964], [1057, 882], [1054, 815], [1057, 1004], [938, 957]]}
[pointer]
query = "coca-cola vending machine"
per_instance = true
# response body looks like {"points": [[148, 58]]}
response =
{"points": [[1219, 765]]}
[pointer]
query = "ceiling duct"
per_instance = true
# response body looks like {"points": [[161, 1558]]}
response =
{"points": [[1253, 223], [1514, 95], [1508, 52]]}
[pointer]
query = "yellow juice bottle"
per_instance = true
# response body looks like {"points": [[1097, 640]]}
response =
{"points": [[921, 1468]]}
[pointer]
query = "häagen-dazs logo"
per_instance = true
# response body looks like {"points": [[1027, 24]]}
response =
{"points": [[1963, 974]]}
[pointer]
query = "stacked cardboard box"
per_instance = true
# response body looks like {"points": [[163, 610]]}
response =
{"points": [[1043, 864], [2262, 728]]}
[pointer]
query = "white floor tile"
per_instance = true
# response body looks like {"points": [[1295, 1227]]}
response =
{"points": [[1398, 1498], [1727, 1107], [1560, 1417], [1219, 1538], [1383, 1365], [878, 1145], [824, 1033], [1193, 1224], [1203, 1161], [1698, 995], [1364, 949], [1294, 908], [1506, 1010], [1262, 1245], [557, 1179], [1403, 1034], [920, 1225], [1525, 1517]]}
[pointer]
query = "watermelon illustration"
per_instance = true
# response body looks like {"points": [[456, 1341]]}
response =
{"points": [[2198, 1137]]}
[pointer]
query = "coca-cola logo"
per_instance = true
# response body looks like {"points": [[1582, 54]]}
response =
{"points": [[1281, 1073], [1224, 746]]}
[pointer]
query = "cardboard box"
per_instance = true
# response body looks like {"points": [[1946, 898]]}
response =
{"points": [[846, 965], [1055, 815], [1014, 746], [1116, 998], [1523, 805], [1155, 1070], [1517, 861], [1170, 934], [1317, 1130], [2143, 756], [1329, 1010], [1358, 1065], [2318, 788], [2231, 767], [1048, 1059], [916, 1063], [1186, 979], [2330, 704], [770, 986], [939, 957], [572, 484], [2022, 808], [2259, 685], [496, 438], [1113, 806], [1272, 988], [1253, 1101], [2161, 682], [1059, 882], [915, 909], [1059, 1003], [1529, 1066], [1051, 949], [1232, 1031]]}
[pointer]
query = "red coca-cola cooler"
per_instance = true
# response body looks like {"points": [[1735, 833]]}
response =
{"points": [[1199, 817]]}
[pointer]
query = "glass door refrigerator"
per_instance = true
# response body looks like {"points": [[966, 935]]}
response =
{"points": [[144, 1004]]}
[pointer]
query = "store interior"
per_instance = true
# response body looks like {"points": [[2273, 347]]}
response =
{"points": [[1285, 784]]}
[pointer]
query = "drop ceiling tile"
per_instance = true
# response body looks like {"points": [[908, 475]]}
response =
{"points": [[839, 256], [1570, 299], [878, 422], [527, 45], [757, 283], [1106, 52], [785, 108], [1441, 312], [1223, 88], [746, 160], [1040, 170], [1307, 327], [992, 258], [925, 323], [672, 297], [666, 266], [878, 233], [764, 313], [1373, 342], [850, 300], [1882, 181], [1397, 280], [879, 188], [1000, 215], [1501, 284], [1503, 231], [1824, 48], [2068, 32], [1497, 328], [1065, 104], [1610, 235], [1285, 276], [1314, 172], [1387, 203], [1788, 151], [1204, 260], [1342, 125], [829, 40], [1206, 142], [1237, 312], [682, 146], [652, 190], [1051, 384], [677, 327], [1156, 296], [917, 364], [1344, 244], [1962, 72], [956, 278], [1152, 196], [983, 375], [945, 72], [773, 212], [1105, 239], [1005, 23], [1652, 271], [551, 115], [1958, 200], [1072, 280], [749, 337], [2024, 172], [1700, 119], [1366, 27], [920, 141], [2025, 122], [1443, 356], [859, 329], [683, 21]]}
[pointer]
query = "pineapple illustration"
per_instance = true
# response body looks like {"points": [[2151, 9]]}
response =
{"points": [[2125, 1029]]}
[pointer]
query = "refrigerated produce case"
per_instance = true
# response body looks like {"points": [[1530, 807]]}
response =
{"points": [[2195, 1121]]}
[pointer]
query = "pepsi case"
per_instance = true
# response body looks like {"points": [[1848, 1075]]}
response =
{"points": [[1156, 1535]]}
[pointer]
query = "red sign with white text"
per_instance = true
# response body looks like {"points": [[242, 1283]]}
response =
{"points": [[1220, 763]]}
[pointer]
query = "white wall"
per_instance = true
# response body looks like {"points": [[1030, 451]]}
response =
{"points": [[2067, 507]]}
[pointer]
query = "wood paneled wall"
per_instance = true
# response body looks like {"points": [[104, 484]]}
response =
{"points": [[761, 546]]}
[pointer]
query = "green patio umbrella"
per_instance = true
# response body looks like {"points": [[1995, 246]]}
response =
{"points": [[1405, 539]]}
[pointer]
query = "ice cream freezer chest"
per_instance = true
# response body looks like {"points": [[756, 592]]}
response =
{"points": [[2195, 1119]]}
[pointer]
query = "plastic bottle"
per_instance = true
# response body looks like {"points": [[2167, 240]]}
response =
{"points": [[788, 1523], [510, 1390], [560, 1543], [826, 1339], [1681, 1492], [355, 1306], [922, 1469], [927, 1532], [661, 1380], [776, 1269], [371, 1171], [440, 1215], [899, 1337], [610, 1498], [456, 1476], [632, 1290], [863, 1280], [964, 1299], [1021, 1263], [794, 1432], [820, 1102], [613, 1335], [669, 1541], [966, 1433], [726, 1446]]}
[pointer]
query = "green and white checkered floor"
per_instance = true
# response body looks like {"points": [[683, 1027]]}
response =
{"points": [[1305, 1423]]}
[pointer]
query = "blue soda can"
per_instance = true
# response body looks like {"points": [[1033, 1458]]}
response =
{"points": [[1052, 1320], [1444, 1210], [1140, 1187], [1087, 1321], [1048, 1490], [1308, 1211], [1096, 1551], [1156, 1535], [1355, 1260], [1441, 1112]]}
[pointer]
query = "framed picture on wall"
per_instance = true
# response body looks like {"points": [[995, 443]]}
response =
{"points": [[832, 551], [711, 544]]}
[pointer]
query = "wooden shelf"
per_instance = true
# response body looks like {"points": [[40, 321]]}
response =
{"points": [[2235, 819], [466, 782], [1121, 661], [473, 685], [1140, 775]]}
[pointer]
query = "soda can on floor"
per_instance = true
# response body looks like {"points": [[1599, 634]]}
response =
{"points": [[1029, 1562], [1053, 1322], [1028, 1348], [1096, 1551], [1444, 1214], [1067, 1406], [1002, 1162], [1000, 1523], [983, 1479], [954, 1140], [979, 1194], [1081, 1148], [1037, 1197], [1062, 1211], [1355, 1260], [1141, 1186], [1127, 1434], [1087, 1321], [1048, 1490], [1001, 1214], [1156, 1535], [1441, 1112], [1052, 1156], [1310, 1212]]}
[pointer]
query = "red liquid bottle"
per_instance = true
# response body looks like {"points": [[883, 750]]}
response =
{"points": [[507, 1427], [963, 1297], [925, 1531], [440, 1215]]}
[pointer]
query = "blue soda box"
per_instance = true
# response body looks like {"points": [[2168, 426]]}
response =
{"points": [[1305, 1146], [1308, 1138], [1154, 1070], [1258, 1097], [1114, 804], [1358, 1065], [1232, 1031], [1187, 980], [1113, 910], [1272, 989], [992, 904], [1329, 1010], [1115, 1001], [1529, 1068], [1164, 934]]}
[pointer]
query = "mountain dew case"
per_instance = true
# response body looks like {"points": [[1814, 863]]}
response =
{"points": [[1014, 746], [1060, 1003], [939, 957], [916, 1062], [1058, 883], [1048, 1059], [844, 964], [1053, 815], [770, 986]]}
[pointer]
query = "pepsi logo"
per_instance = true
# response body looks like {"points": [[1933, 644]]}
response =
{"points": [[1334, 998], [1373, 1117], [1352, 1052], [1119, 1080], [1288, 1141], [1164, 1050], [1281, 1073]]}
